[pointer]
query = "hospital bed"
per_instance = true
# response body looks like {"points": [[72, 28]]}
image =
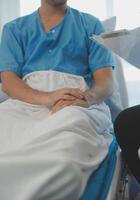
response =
{"points": [[112, 183], [109, 181], [116, 180]]}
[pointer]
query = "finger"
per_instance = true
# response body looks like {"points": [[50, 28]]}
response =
{"points": [[55, 109], [76, 93], [61, 103], [80, 103], [60, 107], [67, 97], [66, 103]]}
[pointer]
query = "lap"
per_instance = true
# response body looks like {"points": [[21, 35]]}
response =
{"points": [[22, 123]]}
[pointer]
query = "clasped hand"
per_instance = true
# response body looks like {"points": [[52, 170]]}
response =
{"points": [[70, 97]]}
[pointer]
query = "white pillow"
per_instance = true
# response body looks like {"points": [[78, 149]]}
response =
{"points": [[110, 24]]}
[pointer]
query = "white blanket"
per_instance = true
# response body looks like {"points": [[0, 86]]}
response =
{"points": [[50, 157]]}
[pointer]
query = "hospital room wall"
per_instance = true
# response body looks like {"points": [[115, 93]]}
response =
{"points": [[9, 9], [89, 6]]}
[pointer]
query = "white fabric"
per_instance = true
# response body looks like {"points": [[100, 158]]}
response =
{"points": [[110, 24], [50, 156]]}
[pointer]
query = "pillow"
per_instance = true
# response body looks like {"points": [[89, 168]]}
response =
{"points": [[114, 101], [110, 24]]}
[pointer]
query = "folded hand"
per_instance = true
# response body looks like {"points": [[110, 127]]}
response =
{"points": [[64, 103]]}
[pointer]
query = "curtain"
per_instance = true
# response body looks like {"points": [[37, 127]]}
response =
{"points": [[9, 10]]}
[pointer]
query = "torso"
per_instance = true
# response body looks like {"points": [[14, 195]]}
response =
{"points": [[57, 44]]}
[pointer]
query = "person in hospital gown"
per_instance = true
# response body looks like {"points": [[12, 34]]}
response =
{"points": [[55, 127]]}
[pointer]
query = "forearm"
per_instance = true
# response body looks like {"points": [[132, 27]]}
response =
{"points": [[16, 88], [101, 91], [102, 88]]}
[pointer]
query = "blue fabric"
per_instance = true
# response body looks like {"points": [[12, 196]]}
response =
{"points": [[100, 181], [27, 47]]}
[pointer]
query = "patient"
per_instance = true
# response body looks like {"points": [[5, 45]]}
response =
{"points": [[55, 125]]}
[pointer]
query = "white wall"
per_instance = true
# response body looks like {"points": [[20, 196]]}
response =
{"points": [[29, 6], [95, 7], [9, 9]]}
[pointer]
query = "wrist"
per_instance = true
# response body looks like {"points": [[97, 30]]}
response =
{"points": [[44, 98], [91, 97]]}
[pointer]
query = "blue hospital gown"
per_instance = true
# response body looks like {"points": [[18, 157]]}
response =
{"points": [[26, 47]]}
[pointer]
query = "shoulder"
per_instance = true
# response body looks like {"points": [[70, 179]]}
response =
{"points": [[19, 24], [84, 15], [87, 18], [90, 22]]}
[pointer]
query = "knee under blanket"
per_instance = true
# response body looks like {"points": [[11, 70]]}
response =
{"points": [[50, 157]]}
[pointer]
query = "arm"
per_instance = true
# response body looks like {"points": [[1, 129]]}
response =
{"points": [[101, 61], [18, 89], [102, 88]]}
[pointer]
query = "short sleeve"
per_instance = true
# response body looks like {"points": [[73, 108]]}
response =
{"points": [[11, 54], [99, 56]]}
